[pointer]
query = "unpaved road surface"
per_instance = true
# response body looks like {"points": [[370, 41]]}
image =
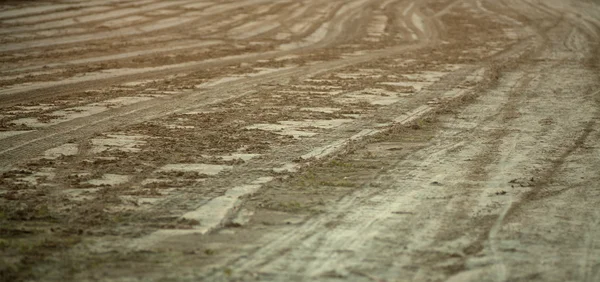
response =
{"points": [[263, 140]]}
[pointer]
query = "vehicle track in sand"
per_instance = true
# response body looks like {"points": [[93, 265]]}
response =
{"points": [[15, 147], [314, 140], [335, 244], [334, 28]]}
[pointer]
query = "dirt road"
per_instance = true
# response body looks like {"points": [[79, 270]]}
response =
{"points": [[263, 140]]}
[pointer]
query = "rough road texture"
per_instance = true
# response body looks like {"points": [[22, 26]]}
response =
{"points": [[263, 140]]}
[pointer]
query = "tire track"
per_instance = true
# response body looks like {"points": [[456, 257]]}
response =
{"points": [[277, 259], [434, 200], [163, 24], [204, 22], [16, 96], [78, 19], [21, 147]]}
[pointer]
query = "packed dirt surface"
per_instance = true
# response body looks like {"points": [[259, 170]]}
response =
{"points": [[313, 140]]}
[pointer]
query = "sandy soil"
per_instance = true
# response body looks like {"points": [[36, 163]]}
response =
{"points": [[263, 140]]}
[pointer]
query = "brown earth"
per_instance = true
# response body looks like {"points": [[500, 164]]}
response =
{"points": [[262, 140]]}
